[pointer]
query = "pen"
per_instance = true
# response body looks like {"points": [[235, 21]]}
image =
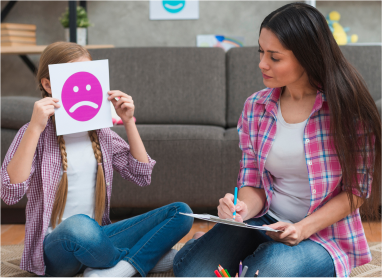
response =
{"points": [[244, 271], [234, 202]]}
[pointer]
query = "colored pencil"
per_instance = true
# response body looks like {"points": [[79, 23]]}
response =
{"points": [[237, 275], [240, 268], [222, 271], [226, 271], [244, 271], [235, 202], [217, 273], [257, 273]]}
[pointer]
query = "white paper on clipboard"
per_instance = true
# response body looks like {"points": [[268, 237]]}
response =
{"points": [[213, 218]]}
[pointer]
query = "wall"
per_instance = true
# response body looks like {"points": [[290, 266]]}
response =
{"points": [[127, 24], [362, 17]]}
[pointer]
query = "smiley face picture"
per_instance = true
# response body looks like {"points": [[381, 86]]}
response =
{"points": [[173, 6], [82, 96], [174, 9]]}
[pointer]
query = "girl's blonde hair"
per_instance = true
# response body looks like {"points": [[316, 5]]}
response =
{"points": [[57, 53]]}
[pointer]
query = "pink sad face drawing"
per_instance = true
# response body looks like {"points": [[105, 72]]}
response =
{"points": [[82, 96]]}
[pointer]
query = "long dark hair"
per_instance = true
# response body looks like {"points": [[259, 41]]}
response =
{"points": [[355, 123]]}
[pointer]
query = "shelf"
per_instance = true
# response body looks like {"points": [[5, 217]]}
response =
{"points": [[38, 49]]}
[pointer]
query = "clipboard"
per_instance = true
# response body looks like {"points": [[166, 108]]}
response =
{"points": [[213, 218]]}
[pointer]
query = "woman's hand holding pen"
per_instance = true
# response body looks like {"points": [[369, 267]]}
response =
{"points": [[291, 235], [124, 106], [226, 208]]}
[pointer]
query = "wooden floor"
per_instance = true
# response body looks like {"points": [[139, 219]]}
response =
{"points": [[14, 234]]}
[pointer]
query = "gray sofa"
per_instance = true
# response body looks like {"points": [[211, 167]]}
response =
{"points": [[188, 102]]}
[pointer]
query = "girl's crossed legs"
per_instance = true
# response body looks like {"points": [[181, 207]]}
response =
{"points": [[227, 245], [79, 241]]}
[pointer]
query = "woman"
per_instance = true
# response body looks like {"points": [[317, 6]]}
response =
{"points": [[68, 182], [311, 157]]}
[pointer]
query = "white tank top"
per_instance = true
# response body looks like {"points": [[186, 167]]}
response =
{"points": [[287, 165], [82, 174]]}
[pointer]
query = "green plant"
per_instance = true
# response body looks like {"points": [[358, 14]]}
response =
{"points": [[82, 18]]}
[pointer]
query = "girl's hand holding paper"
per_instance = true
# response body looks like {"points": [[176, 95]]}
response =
{"points": [[124, 106], [226, 208], [42, 110]]}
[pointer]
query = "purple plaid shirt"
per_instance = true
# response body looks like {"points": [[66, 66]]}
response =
{"points": [[43, 179], [345, 240]]}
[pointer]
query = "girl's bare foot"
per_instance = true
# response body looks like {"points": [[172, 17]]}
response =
{"points": [[198, 235]]}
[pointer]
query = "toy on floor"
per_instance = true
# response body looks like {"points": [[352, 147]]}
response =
{"points": [[115, 118], [339, 32]]}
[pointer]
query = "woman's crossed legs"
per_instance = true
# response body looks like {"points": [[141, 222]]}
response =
{"points": [[227, 245]]}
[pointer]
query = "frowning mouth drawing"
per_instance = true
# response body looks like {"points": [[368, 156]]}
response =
{"points": [[82, 103]]}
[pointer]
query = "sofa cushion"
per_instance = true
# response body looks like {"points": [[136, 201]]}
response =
{"points": [[189, 167], [170, 85], [16, 111], [243, 79], [231, 155], [367, 60]]}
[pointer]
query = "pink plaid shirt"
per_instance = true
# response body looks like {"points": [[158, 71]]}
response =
{"points": [[345, 240], [40, 186]]}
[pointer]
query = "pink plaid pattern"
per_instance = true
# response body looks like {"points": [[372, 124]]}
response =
{"points": [[41, 184], [344, 240]]}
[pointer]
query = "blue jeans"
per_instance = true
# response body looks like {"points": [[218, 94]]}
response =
{"points": [[80, 242], [228, 245]]}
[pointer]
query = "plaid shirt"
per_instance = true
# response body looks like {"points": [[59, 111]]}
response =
{"points": [[43, 179], [345, 240]]}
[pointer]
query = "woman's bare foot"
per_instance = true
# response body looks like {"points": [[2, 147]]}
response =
{"points": [[198, 235]]}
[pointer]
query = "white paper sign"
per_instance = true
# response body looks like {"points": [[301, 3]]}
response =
{"points": [[82, 90], [171, 9]]}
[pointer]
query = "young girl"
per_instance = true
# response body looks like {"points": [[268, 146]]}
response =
{"points": [[68, 182], [311, 156]]}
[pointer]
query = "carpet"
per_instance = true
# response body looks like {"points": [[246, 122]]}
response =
{"points": [[11, 257]]}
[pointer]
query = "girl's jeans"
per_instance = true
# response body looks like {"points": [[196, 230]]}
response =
{"points": [[79, 242], [228, 245]]}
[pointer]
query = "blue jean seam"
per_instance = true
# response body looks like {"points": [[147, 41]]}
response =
{"points": [[134, 263], [155, 234], [137, 222], [74, 243]]}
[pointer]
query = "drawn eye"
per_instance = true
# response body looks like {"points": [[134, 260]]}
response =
{"points": [[75, 89], [88, 87]]}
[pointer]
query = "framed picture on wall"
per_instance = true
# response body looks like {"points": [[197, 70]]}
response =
{"points": [[174, 10]]}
